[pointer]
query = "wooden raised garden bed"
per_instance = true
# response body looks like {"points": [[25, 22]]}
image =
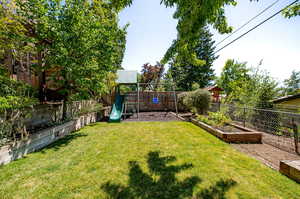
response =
{"points": [[228, 133], [290, 168]]}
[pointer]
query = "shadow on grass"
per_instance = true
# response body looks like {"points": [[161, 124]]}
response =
{"points": [[162, 183], [64, 141]]}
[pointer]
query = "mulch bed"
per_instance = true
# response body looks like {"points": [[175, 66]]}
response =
{"points": [[152, 116]]}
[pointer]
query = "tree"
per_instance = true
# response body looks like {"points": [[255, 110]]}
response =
{"points": [[152, 74], [80, 41], [249, 86], [292, 84], [188, 76], [292, 11], [233, 72]]}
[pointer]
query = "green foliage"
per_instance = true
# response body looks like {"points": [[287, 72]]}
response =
{"points": [[233, 73], [181, 100], [247, 86], [15, 94], [197, 101], [80, 42], [16, 101], [292, 84], [292, 11], [189, 76], [11, 29], [152, 74], [192, 16], [201, 100], [217, 119]]}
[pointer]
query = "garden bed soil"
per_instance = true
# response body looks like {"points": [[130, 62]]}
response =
{"points": [[230, 129], [152, 116], [243, 135]]}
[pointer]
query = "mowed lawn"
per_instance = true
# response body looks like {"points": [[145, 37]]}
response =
{"points": [[142, 160]]}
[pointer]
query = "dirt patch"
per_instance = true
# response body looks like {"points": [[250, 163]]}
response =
{"points": [[230, 129], [152, 116], [267, 154]]}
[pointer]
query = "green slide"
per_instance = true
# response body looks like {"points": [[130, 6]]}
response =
{"points": [[117, 109]]}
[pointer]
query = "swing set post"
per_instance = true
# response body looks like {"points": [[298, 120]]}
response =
{"points": [[175, 99]]}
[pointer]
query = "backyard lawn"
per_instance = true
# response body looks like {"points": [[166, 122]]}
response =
{"points": [[142, 160]]}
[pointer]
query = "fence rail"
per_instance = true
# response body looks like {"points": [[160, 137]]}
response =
{"points": [[280, 128]]}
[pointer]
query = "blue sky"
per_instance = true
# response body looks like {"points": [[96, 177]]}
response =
{"points": [[277, 42]]}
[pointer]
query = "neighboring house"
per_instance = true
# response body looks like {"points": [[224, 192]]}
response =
{"points": [[22, 70], [215, 92], [290, 102]]}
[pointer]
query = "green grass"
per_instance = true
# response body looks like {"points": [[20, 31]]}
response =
{"points": [[146, 160]]}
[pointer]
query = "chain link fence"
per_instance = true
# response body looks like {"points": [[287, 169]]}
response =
{"points": [[280, 129]]}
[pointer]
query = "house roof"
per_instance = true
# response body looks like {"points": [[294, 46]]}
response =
{"points": [[215, 87], [286, 98]]}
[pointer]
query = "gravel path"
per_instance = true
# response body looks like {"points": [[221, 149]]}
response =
{"points": [[269, 155]]}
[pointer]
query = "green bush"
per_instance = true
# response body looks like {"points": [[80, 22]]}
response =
{"points": [[182, 101], [200, 99], [16, 106], [197, 101], [206, 120]]}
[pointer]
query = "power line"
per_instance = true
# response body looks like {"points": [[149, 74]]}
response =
{"points": [[263, 11], [257, 26]]}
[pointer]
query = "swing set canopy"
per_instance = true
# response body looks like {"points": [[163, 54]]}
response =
{"points": [[127, 77]]}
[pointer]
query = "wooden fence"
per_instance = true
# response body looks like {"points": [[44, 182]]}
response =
{"points": [[151, 101]]}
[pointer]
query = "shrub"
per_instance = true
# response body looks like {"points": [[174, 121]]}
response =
{"points": [[219, 118], [197, 101], [181, 101], [200, 100], [214, 119], [206, 120]]}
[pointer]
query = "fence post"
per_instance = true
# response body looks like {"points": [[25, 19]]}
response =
{"points": [[296, 137], [244, 117]]}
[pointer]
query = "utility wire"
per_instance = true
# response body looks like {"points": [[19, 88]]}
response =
{"points": [[263, 11], [257, 26]]}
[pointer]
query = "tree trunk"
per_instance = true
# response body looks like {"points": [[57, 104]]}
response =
{"points": [[42, 78]]}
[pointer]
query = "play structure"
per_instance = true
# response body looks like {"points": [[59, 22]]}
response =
{"points": [[143, 97]]}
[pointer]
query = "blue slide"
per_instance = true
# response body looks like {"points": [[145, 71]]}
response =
{"points": [[117, 109]]}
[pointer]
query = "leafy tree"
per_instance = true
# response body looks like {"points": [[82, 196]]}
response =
{"points": [[192, 16], [78, 41], [292, 84], [152, 74], [188, 76], [256, 90], [233, 75], [292, 11]]}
